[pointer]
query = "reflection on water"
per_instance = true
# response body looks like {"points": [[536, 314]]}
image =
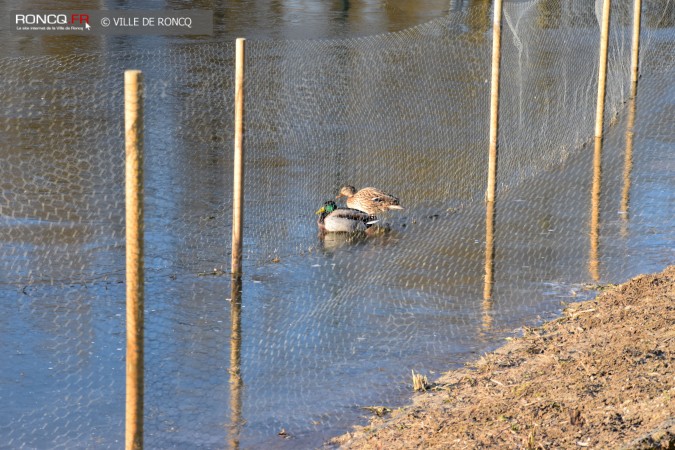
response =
{"points": [[628, 163], [236, 382], [489, 250], [595, 210], [316, 328]]}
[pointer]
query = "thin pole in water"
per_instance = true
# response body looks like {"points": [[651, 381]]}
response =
{"points": [[597, 155], [492, 157], [602, 68], [133, 128], [238, 176], [494, 101], [635, 50]]}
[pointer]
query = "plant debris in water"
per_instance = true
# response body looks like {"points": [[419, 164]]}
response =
{"points": [[420, 382], [214, 273], [379, 411]]}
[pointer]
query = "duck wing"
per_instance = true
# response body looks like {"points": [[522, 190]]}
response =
{"points": [[354, 214], [386, 199], [373, 199]]}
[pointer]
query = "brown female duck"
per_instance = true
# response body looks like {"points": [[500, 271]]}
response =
{"points": [[369, 199]]}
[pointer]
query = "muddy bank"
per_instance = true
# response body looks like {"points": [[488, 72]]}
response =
{"points": [[601, 376]]}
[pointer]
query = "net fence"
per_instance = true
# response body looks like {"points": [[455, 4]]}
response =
{"points": [[328, 324]]}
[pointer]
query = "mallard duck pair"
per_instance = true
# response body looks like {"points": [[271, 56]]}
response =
{"points": [[360, 214]]}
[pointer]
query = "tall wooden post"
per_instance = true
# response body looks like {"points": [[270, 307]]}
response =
{"points": [[237, 224], [494, 101], [597, 155], [133, 127], [635, 48], [602, 68], [238, 189], [492, 156]]}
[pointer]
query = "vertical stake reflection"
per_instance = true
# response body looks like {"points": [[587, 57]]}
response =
{"points": [[489, 251], [236, 384], [628, 167], [628, 159], [595, 210]]}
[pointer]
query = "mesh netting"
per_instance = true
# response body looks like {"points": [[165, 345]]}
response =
{"points": [[327, 325]]}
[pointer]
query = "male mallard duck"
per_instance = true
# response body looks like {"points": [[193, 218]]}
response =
{"points": [[369, 200], [345, 220]]}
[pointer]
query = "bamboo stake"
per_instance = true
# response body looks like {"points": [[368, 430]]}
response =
{"points": [[237, 223], [494, 101], [597, 154], [602, 69], [492, 156], [133, 127], [238, 189], [635, 50]]}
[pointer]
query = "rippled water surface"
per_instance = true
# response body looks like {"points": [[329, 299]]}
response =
{"points": [[323, 326]]}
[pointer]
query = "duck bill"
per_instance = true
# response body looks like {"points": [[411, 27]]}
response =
{"points": [[321, 211]]}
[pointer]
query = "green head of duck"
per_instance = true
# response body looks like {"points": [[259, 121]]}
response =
{"points": [[327, 208]]}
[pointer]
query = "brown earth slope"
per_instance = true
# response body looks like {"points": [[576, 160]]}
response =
{"points": [[602, 376]]}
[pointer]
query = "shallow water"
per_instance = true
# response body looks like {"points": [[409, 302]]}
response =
{"points": [[336, 324]]}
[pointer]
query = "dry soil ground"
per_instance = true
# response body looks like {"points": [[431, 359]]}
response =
{"points": [[602, 376]]}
